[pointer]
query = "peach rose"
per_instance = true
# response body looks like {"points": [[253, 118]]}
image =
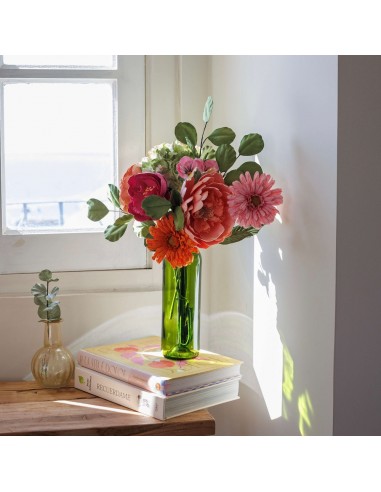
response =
{"points": [[124, 197], [206, 212]]}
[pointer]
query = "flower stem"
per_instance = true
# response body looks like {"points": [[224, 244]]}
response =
{"points": [[202, 137]]}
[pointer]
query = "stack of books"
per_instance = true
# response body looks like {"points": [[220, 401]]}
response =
{"points": [[135, 374]]}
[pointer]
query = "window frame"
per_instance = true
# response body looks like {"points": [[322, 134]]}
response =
{"points": [[130, 79]]}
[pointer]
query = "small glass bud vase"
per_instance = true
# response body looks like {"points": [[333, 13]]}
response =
{"points": [[52, 364]]}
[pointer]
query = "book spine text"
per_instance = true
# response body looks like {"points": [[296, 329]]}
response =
{"points": [[118, 371], [119, 392]]}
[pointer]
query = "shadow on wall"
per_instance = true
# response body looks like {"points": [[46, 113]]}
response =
{"points": [[274, 394], [281, 377]]}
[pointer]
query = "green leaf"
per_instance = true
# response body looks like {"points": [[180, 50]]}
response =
{"points": [[156, 206], [38, 289], [176, 198], [97, 210], [40, 300], [45, 275], [41, 312], [141, 229], [123, 219], [184, 131], [208, 108], [234, 175], [52, 312], [51, 306], [221, 136], [55, 313], [115, 231], [179, 218], [251, 144], [239, 233], [114, 195], [55, 290], [81, 379], [226, 157]]}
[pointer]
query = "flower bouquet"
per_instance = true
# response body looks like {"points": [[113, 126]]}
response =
{"points": [[183, 198]]}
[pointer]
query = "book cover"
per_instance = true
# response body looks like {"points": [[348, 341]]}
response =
{"points": [[152, 404], [141, 363]]}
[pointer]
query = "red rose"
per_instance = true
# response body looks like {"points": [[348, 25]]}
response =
{"points": [[143, 185]]}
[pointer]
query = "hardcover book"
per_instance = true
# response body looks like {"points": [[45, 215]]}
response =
{"points": [[141, 363], [152, 404]]}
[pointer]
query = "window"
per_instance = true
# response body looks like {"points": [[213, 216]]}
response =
{"points": [[69, 125]]}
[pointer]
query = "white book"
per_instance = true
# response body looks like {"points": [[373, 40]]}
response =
{"points": [[153, 404]]}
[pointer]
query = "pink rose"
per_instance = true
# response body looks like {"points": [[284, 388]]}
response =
{"points": [[143, 185], [187, 165], [124, 196], [206, 211]]}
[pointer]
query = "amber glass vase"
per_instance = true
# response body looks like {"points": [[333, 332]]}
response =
{"points": [[181, 310], [52, 364]]}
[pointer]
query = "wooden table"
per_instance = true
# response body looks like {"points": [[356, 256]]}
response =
{"points": [[27, 409]]}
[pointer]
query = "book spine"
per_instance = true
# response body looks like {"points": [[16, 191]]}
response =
{"points": [[120, 371], [119, 392]]}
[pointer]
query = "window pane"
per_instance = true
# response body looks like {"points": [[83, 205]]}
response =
{"points": [[59, 151], [61, 61]]}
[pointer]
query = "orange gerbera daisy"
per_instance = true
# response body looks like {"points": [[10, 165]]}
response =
{"points": [[167, 243]]}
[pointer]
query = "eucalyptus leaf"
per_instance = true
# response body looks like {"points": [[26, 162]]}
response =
{"points": [[251, 144], [184, 131], [115, 231], [114, 195], [41, 312], [179, 218], [96, 210], [123, 219], [156, 206], [51, 306], [55, 290], [45, 275], [221, 136], [226, 157], [40, 300], [55, 313], [234, 175], [239, 233], [208, 108], [50, 297], [38, 289]]}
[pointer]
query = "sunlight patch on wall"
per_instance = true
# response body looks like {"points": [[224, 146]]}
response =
{"points": [[305, 413], [267, 345]]}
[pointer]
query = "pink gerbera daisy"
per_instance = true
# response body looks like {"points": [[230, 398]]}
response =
{"points": [[252, 201]]}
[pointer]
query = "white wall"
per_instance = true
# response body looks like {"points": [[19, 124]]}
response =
{"points": [[292, 102]]}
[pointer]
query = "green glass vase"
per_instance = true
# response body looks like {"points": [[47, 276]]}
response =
{"points": [[181, 310]]}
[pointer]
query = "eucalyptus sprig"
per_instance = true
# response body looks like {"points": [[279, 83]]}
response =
{"points": [[48, 306]]}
